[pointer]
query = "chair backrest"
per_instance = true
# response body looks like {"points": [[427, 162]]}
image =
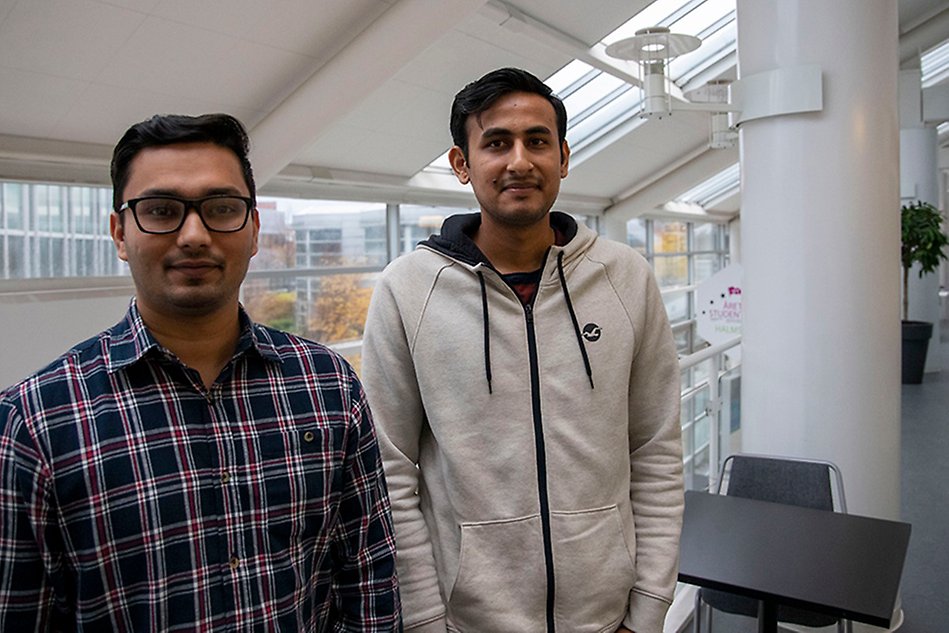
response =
{"points": [[807, 483]]}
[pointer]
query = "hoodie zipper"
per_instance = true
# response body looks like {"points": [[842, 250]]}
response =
{"points": [[541, 456]]}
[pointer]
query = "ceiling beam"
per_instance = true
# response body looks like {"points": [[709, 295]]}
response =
{"points": [[385, 47], [704, 162], [922, 36], [516, 20]]}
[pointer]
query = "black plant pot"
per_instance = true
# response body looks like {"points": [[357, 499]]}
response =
{"points": [[916, 335]]}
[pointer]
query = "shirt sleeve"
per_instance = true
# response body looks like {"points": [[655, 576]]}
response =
{"points": [[396, 401], [656, 482], [26, 593], [365, 586]]}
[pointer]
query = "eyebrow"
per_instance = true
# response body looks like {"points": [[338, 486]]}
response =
{"points": [[215, 191], [500, 131]]}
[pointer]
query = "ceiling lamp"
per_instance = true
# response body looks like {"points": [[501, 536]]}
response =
{"points": [[784, 90]]}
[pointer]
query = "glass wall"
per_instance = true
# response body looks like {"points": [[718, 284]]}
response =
{"points": [[684, 254], [50, 230]]}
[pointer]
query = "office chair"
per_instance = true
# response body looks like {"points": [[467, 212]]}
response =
{"points": [[785, 480]]}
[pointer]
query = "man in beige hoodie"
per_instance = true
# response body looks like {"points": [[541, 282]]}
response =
{"points": [[525, 385]]}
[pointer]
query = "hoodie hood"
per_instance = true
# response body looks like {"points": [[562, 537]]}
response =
{"points": [[455, 239]]}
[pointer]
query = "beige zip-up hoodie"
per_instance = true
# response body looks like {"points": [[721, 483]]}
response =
{"points": [[533, 454]]}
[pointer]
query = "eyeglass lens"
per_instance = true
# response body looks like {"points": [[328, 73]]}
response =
{"points": [[162, 215]]}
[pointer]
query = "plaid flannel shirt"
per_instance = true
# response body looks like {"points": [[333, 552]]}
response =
{"points": [[132, 498]]}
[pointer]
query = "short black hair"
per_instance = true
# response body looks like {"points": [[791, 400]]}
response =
{"points": [[481, 94], [172, 129]]}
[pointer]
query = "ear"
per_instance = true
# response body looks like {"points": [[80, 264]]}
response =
{"points": [[117, 230], [256, 218], [564, 158], [459, 165]]}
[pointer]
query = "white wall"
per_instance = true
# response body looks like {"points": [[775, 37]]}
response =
{"points": [[36, 328]]}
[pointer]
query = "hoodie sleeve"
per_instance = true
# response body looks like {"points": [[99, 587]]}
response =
{"points": [[656, 483], [390, 381]]}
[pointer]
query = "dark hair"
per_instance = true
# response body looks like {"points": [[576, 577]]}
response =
{"points": [[480, 95], [171, 129]]}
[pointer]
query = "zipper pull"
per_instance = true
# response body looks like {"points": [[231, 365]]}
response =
{"points": [[529, 311]]}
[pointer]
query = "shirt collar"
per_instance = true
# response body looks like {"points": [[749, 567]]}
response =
{"points": [[130, 340]]}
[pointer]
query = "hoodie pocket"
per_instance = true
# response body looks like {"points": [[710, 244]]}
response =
{"points": [[501, 581], [594, 566]]}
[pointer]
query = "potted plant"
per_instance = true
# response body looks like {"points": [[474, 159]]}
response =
{"points": [[922, 242]]}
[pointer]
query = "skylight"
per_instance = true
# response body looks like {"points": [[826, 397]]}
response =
{"points": [[719, 186], [935, 65]]}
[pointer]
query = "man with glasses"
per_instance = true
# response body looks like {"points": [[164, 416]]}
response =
{"points": [[189, 469]]}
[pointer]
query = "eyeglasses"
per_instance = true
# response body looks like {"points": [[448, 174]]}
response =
{"points": [[166, 214]]}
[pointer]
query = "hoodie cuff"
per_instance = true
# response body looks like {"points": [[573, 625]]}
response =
{"points": [[646, 614]]}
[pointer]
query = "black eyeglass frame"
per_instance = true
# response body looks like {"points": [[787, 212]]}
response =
{"points": [[190, 203]]}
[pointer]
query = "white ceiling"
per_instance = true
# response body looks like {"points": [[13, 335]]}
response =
{"points": [[344, 98]]}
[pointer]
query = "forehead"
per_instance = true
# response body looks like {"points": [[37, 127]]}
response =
{"points": [[188, 169], [514, 112]]}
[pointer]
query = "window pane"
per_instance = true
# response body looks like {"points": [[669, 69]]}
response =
{"points": [[706, 265], [418, 223], [636, 234], [677, 306], [13, 204], [15, 261], [672, 271], [669, 237], [704, 236]]}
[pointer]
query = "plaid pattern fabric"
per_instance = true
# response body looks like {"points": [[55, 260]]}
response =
{"points": [[132, 498]]}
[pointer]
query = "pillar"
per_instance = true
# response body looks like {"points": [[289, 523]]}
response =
{"points": [[820, 246]]}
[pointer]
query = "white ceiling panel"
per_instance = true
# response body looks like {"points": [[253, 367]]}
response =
{"points": [[316, 29], [506, 36], [83, 121], [73, 39], [586, 21], [31, 104], [178, 59]]}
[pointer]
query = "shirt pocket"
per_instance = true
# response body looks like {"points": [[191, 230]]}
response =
{"points": [[595, 568], [297, 475], [501, 581]]}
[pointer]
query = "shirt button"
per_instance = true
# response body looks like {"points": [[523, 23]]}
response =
{"points": [[234, 562], [225, 477], [308, 436]]}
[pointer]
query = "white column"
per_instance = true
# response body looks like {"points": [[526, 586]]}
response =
{"points": [[820, 246]]}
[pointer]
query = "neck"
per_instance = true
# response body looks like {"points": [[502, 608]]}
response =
{"points": [[515, 249], [203, 342]]}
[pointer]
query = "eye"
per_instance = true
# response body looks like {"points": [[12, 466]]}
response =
{"points": [[223, 208], [159, 209]]}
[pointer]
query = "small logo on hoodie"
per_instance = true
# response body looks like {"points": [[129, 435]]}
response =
{"points": [[591, 332]]}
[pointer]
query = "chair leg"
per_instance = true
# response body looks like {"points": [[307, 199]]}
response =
{"points": [[697, 613], [700, 612]]}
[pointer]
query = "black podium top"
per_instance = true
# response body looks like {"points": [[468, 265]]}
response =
{"points": [[841, 564]]}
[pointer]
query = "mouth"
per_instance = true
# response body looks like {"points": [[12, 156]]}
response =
{"points": [[520, 186], [194, 267]]}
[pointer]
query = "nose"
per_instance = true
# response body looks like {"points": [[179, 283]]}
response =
{"points": [[520, 161], [193, 233]]}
